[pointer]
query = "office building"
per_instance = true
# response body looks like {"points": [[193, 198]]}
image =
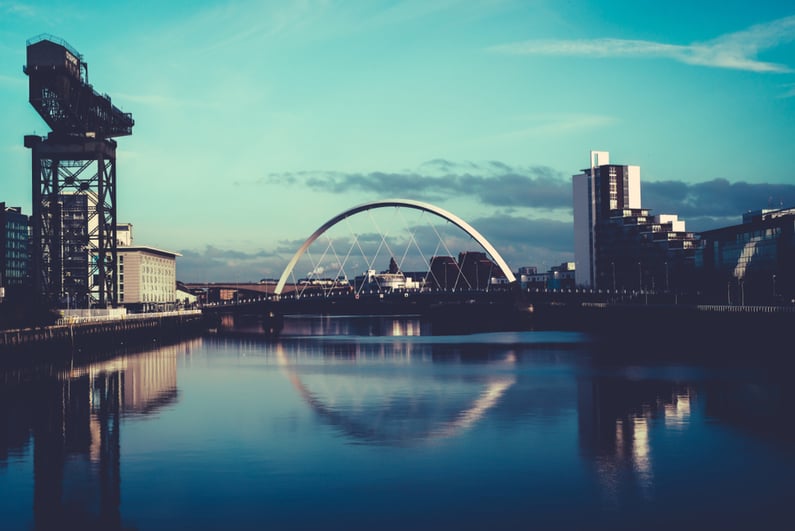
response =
{"points": [[124, 234], [474, 270], [147, 278], [618, 245], [77, 224], [14, 248], [752, 263], [598, 191], [559, 277]]}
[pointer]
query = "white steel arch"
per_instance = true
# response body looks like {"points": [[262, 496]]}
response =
{"points": [[408, 203]]}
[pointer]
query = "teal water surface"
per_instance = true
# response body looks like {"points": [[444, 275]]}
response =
{"points": [[371, 423]]}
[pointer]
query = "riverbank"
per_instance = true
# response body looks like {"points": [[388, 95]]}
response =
{"points": [[75, 336], [640, 331]]}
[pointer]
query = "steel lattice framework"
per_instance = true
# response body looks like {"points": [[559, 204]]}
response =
{"points": [[73, 178]]}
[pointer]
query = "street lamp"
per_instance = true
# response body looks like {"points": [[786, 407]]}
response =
{"points": [[640, 277], [613, 265], [774, 287], [742, 292]]}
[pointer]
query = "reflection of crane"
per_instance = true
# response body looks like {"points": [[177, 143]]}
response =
{"points": [[74, 207]]}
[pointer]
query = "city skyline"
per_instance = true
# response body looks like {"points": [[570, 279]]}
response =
{"points": [[257, 122]]}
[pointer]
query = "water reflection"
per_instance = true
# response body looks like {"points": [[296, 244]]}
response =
{"points": [[547, 427], [72, 419], [331, 325], [388, 409], [616, 419]]}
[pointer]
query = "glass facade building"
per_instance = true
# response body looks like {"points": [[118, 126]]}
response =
{"points": [[750, 263], [14, 247]]}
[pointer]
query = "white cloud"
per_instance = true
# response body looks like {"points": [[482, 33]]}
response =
{"points": [[13, 80], [17, 8], [553, 124], [789, 91], [734, 50]]}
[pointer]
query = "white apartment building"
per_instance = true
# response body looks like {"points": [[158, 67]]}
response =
{"points": [[147, 278]]}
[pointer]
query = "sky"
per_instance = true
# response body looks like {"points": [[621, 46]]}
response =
{"points": [[258, 121]]}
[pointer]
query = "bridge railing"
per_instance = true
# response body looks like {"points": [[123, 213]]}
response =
{"points": [[746, 309]]}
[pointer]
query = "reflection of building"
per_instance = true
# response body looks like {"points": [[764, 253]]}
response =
{"points": [[71, 424], [150, 381], [615, 419], [751, 263], [76, 453]]}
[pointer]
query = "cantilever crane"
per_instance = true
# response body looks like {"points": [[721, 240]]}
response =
{"points": [[74, 208], [61, 94]]}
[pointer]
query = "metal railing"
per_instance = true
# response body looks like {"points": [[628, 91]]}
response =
{"points": [[126, 317], [745, 309]]}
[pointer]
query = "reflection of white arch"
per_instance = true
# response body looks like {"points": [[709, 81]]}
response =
{"points": [[465, 419], [426, 207]]}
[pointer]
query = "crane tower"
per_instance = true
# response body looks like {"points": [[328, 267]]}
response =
{"points": [[74, 178]]}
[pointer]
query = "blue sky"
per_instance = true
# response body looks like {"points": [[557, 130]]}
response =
{"points": [[257, 121]]}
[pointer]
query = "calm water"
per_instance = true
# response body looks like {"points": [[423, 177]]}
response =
{"points": [[363, 423]]}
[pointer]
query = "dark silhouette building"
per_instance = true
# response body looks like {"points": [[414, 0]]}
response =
{"points": [[750, 263], [14, 249], [473, 270], [444, 273], [618, 244]]}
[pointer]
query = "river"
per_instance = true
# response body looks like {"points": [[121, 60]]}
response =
{"points": [[375, 423]]}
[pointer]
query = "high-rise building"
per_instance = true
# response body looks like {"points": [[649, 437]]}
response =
{"points": [[77, 224], [14, 247], [618, 245], [599, 190]]}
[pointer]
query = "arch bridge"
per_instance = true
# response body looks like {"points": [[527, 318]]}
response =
{"points": [[410, 204], [422, 272]]}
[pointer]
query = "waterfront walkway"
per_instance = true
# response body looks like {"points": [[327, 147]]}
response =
{"points": [[101, 331]]}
